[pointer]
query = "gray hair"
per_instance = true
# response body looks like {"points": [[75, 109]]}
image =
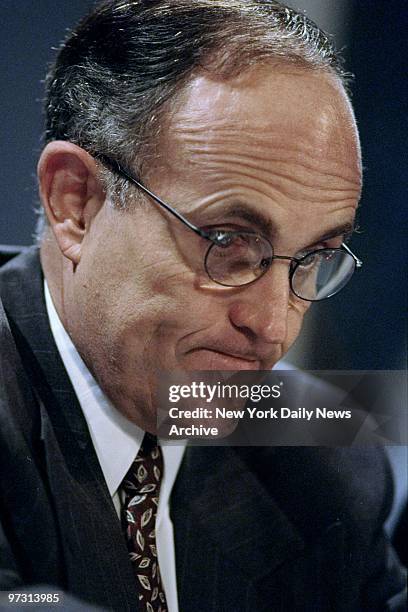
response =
{"points": [[116, 75]]}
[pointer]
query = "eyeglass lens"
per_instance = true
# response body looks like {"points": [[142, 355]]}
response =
{"points": [[246, 257], [321, 274]]}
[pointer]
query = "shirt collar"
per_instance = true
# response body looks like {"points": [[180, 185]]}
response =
{"points": [[115, 438]]}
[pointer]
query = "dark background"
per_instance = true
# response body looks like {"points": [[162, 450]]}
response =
{"points": [[364, 327]]}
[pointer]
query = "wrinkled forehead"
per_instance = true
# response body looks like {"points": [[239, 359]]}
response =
{"points": [[282, 141], [270, 107]]}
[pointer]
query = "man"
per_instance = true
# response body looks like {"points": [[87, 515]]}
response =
{"points": [[183, 140]]}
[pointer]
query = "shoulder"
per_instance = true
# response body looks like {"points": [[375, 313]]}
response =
{"points": [[318, 486], [21, 283], [8, 252], [21, 319], [16, 260], [19, 267]]}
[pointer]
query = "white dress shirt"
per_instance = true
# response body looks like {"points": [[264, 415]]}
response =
{"points": [[117, 442]]}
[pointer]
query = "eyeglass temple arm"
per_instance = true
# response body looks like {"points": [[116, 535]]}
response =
{"points": [[118, 169], [125, 173], [358, 261]]}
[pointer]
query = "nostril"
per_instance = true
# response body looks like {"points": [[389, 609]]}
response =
{"points": [[259, 320], [249, 334]]}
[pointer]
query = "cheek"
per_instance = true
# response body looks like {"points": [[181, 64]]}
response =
{"points": [[141, 295], [144, 313], [297, 310]]}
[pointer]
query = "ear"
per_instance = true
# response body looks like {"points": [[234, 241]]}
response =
{"points": [[70, 193]]}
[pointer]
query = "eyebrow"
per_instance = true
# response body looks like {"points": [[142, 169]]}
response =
{"points": [[268, 228]]}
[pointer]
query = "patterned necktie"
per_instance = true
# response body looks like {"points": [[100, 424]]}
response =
{"points": [[141, 487]]}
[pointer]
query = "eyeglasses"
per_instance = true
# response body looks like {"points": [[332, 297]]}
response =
{"points": [[239, 258]]}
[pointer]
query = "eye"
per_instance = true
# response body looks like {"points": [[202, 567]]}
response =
{"points": [[232, 243], [223, 238], [311, 262], [228, 234], [308, 261]]}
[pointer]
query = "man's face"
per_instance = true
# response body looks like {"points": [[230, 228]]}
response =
{"points": [[279, 145]]}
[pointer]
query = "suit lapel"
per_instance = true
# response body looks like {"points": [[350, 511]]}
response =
{"points": [[227, 522], [95, 558], [94, 549]]}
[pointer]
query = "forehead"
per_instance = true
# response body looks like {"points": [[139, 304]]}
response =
{"points": [[271, 106], [280, 139]]}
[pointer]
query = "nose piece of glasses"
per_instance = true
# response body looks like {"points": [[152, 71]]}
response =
{"points": [[265, 263]]}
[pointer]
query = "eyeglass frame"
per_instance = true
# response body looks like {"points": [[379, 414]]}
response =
{"points": [[220, 239]]}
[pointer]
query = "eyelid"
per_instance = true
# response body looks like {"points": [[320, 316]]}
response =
{"points": [[317, 247], [229, 227], [325, 244]]}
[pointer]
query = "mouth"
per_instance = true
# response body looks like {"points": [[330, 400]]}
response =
{"points": [[212, 359]]}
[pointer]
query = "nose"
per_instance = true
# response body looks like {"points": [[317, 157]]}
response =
{"points": [[261, 311]]}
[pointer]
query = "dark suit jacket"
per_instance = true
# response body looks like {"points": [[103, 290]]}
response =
{"points": [[256, 529]]}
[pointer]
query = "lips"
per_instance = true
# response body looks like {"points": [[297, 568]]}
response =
{"points": [[213, 359]]}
